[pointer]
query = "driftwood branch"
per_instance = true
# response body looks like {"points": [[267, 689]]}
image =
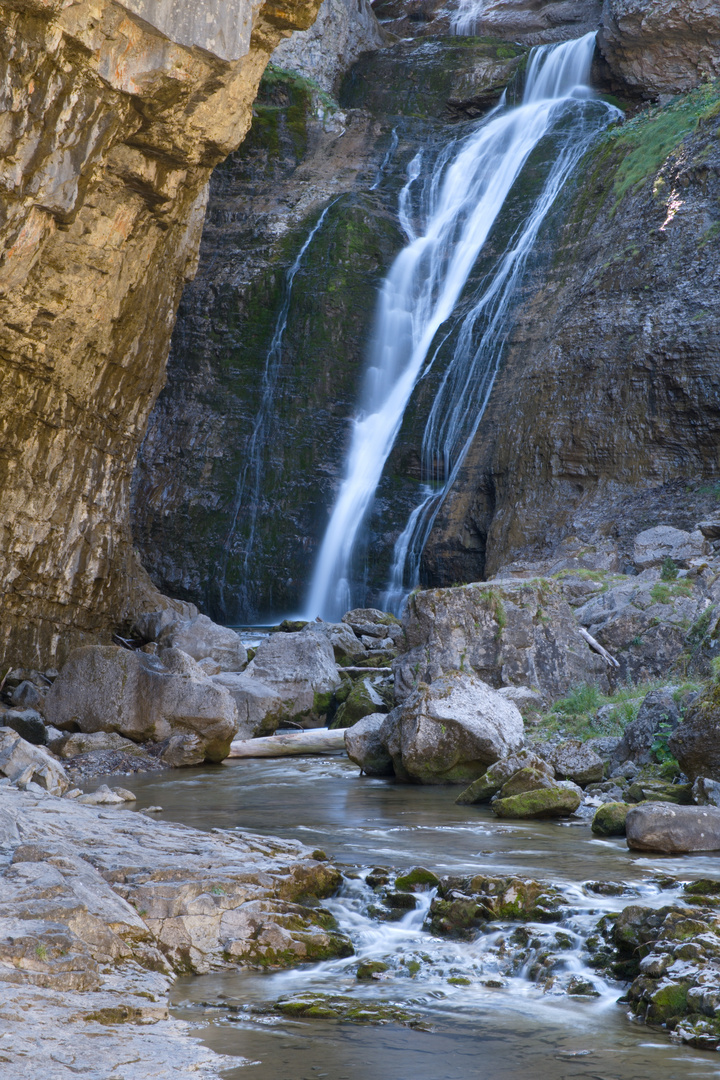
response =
{"points": [[289, 744], [365, 670], [598, 648]]}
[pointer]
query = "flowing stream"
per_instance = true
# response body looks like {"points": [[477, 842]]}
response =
{"points": [[485, 1015], [448, 207]]}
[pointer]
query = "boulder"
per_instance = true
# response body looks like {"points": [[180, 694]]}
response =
{"points": [[653, 546], [348, 649], [300, 668], [528, 701], [658, 709], [706, 792], [609, 819], [183, 750], [104, 688], [79, 743], [509, 633], [560, 800], [375, 625], [365, 746], [696, 741], [673, 830], [490, 783], [573, 760], [24, 763], [260, 707], [527, 779], [365, 698], [198, 636], [26, 696], [102, 796], [450, 731], [28, 723]]}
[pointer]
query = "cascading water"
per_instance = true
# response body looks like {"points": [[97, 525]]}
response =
{"points": [[447, 215], [247, 493], [465, 18]]}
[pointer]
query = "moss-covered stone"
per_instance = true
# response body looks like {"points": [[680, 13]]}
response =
{"points": [[417, 880], [609, 819], [364, 698], [549, 802]]}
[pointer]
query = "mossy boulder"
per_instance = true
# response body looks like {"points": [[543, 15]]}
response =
{"points": [[527, 779], [365, 697], [609, 819], [492, 780], [550, 802], [416, 880], [370, 969], [463, 905]]}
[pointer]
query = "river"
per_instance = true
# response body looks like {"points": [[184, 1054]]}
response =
{"points": [[494, 1018]]}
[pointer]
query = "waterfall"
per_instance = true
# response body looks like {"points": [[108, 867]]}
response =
{"points": [[465, 18], [447, 213], [247, 492]]}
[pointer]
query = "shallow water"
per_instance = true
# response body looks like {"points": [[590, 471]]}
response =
{"points": [[501, 1024]]}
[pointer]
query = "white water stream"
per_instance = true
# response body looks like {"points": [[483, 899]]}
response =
{"points": [[448, 212]]}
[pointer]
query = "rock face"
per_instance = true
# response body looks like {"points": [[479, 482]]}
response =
{"points": [[661, 46], [449, 732], [583, 459], [105, 688], [673, 829], [507, 632], [115, 117], [696, 742], [653, 546], [342, 31], [136, 902], [657, 711]]}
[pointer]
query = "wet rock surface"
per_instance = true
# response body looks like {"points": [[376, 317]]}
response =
{"points": [[101, 909]]}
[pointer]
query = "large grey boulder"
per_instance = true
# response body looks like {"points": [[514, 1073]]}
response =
{"points": [[653, 546], [450, 731], [509, 633], [260, 707], [300, 668], [365, 745], [199, 637], [104, 688], [80, 743], [671, 829], [573, 760], [696, 741], [657, 710], [347, 647], [24, 763]]}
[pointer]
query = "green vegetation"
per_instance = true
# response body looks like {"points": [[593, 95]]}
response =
{"points": [[669, 570], [575, 714], [648, 139]]}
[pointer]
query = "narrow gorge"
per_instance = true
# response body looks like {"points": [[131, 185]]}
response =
{"points": [[360, 562]]}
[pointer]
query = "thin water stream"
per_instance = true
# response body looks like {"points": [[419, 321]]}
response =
{"points": [[487, 1013]]}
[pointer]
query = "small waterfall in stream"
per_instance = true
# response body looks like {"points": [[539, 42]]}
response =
{"points": [[447, 213]]}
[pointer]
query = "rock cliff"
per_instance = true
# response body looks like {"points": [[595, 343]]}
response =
{"points": [[113, 116], [604, 420]]}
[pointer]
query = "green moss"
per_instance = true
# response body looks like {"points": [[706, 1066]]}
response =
{"points": [[417, 879], [668, 1001], [647, 140], [609, 819]]}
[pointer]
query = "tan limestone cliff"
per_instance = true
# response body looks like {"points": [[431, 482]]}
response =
{"points": [[109, 129]]}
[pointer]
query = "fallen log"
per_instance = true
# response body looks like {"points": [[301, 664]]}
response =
{"points": [[598, 648], [289, 743]]}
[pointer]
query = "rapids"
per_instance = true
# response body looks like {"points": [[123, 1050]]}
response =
{"points": [[498, 1024]]}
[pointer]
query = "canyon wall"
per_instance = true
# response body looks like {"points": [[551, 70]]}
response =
{"points": [[606, 416], [112, 119]]}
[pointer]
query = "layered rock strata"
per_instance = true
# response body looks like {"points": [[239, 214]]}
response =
{"points": [[113, 118]]}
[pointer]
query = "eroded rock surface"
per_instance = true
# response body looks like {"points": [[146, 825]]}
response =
{"points": [[101, 908], [111, 131]]}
